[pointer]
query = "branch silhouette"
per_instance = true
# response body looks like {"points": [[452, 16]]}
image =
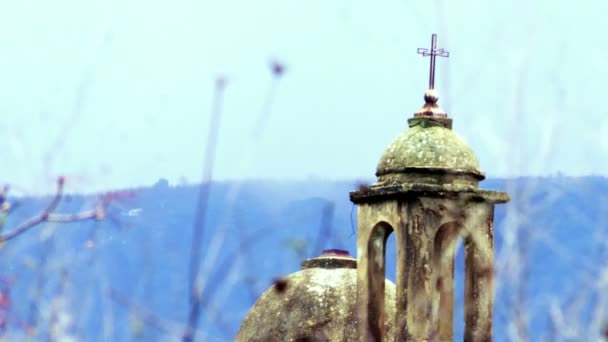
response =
{"points": [[48, 214]]}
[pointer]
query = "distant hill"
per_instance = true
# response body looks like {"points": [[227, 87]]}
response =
{"points": [[551, 247]]}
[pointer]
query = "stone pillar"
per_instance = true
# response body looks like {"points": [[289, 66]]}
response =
{"points": [[426, 241], [479, 271], [420, 308], [374, 227], [401, 280]]}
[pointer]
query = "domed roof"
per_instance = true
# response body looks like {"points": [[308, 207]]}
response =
{"points": [[424, 146], [429, 147], [318, 302]]}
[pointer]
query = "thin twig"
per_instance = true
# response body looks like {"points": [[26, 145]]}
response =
{"points": [[201, 212], [145, 314], [327, 217], [47, 214], [36, 220], [151, 318], [67, 218]]}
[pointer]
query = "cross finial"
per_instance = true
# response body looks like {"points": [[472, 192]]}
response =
{"points": [[433, 52]]}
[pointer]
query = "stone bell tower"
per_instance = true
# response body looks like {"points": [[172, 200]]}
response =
{"points": [[427, 193]]}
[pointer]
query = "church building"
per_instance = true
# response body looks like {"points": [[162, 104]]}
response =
{"points": [[427, 193]]}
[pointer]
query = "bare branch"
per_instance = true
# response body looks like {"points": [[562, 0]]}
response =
{"points": [[146, 315], [201, 211], [47, 214], [150, 317], [36, 220], [66, 218]]}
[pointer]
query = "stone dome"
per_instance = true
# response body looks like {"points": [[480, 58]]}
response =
{"points": [[317, 303], [428, 152], [427, 147]]}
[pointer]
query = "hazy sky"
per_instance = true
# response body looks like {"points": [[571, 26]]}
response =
{"points": [[117, 94]]}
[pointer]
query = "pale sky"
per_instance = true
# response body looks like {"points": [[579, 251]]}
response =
{"points": [[117, 94]]}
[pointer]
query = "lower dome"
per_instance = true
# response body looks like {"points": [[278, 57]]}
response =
{"points": [[314, 304]]}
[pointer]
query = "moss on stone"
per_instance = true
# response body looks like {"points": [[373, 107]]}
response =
{"points": [[427, 147], [312, 304]]}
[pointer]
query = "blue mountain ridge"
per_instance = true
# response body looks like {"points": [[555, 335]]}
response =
{"points": [[257, 231]]}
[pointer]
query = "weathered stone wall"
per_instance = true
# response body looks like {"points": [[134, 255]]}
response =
{"points": [[427, 229]]}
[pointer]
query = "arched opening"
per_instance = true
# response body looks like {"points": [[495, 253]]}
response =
{"points": [[444, 250], [459, 277], [375, 278], [391, 258]]}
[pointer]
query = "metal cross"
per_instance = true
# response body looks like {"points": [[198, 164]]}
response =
{"points": [[433, 52]]}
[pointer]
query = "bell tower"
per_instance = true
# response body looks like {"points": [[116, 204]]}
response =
{"points": [[427, 193]]}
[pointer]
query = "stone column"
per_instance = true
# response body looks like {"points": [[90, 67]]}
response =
{"points": [[401, 280], [416, 296], [479, 271], [374, 229]]}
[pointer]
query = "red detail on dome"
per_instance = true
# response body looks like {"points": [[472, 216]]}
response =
{"points": [[335, 252]]}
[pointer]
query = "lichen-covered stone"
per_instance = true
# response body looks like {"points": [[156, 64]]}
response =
{"points": [[314, 304], [427, 147]]}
